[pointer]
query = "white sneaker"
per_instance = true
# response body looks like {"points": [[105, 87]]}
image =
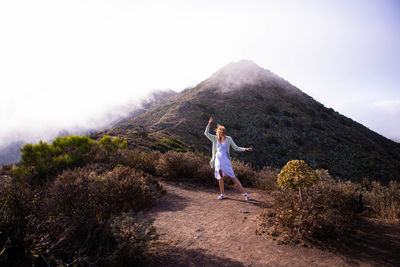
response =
{"points": [[246, 196], [221, 197]]}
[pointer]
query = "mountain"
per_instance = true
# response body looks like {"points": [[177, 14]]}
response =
{"points": [[278, 120], [152, 100], [11, 153]]}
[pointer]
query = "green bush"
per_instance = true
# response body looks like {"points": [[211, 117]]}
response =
{"points": [[108, 151], [41, 161], [297, 175], [168, 144], [175, 144], [111, 145]]}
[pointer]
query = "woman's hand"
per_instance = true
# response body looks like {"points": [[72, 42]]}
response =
{"points": [[249, 149], [211, 119]]}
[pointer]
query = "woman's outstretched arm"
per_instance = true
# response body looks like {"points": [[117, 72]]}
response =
{"points": [[238, 148]]}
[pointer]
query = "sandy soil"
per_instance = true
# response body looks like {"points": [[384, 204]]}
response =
{"points": [[196, 229]]}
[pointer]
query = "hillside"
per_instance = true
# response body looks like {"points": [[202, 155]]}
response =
{"points": [[11, 153], [262, 110]]}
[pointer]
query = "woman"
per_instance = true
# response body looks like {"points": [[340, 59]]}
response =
{"points": [[221, 159]]}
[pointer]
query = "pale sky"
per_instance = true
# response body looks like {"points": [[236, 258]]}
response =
{"points": [[63, 64]]}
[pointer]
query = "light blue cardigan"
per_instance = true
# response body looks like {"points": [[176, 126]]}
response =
{"points": [[214, 140]]}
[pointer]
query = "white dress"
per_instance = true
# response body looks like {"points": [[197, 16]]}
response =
{"points": [[222, 161]]}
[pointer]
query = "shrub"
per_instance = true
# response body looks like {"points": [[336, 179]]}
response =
{"points": [[42, 161], [271, 108], [76, 220], [123, 188], [16, 204], [6, 169], [272, 139], [382, 201], [297, 175], [158, 146], [205, 174], [298, 141], [36, 161], [245, 173], [140, 160], [266, 178], [174, 144], [108, 150], [236, 126], [168, 144], [182, 166], [111, 145], [326, 212]]}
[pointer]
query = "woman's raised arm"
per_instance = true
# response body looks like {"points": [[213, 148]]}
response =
{"points": [[207, 131]]}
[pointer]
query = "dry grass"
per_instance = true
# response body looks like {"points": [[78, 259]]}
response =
{"points": [[85, 216], [326, 212], [382, 201]]}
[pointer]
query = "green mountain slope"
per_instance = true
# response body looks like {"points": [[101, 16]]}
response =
{"points": [[262, 110]]}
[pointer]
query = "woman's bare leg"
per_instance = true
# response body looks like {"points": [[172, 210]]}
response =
{"points": [[221, 182], [238, 184]]}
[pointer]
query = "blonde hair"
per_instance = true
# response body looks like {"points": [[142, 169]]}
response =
{"points": [[217, 131]]}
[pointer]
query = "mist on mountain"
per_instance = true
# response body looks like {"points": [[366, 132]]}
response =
{"points": [[11, 142], [236, 75]]}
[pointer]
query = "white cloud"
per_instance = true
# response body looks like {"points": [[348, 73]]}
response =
{"points": [[389, 105], [62, 63]]}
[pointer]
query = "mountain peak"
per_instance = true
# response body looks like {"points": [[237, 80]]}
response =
{"points": [[242, 65], [236, 74]]}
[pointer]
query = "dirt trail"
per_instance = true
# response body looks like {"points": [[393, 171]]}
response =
{"points": [[196, 229]]}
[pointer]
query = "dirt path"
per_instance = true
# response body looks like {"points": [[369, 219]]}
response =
{"points": [[196, 229]]}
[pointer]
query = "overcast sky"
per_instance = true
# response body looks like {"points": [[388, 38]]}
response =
{"points": [[65, 63]]}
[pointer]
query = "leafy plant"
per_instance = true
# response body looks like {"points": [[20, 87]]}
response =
{"points": [[111, 145], [297, 175], [41, 161]]}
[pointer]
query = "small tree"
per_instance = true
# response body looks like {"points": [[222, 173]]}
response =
{"points": [[112, 144], [297, 175]]}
